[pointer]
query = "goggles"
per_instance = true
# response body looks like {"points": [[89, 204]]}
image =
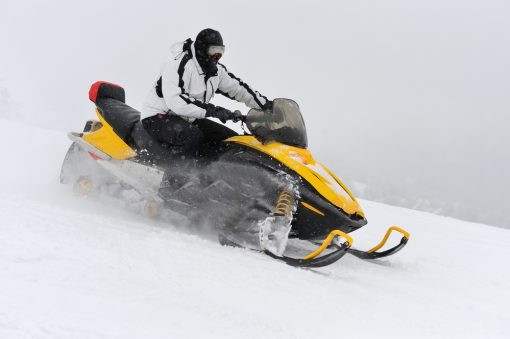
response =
{"points": [[213, 50]]}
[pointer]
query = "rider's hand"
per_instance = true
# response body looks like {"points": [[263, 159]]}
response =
{"points": [[223, 114], [237, 116]]}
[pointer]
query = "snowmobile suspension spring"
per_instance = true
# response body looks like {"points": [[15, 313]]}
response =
{"points": [[284, 204]]}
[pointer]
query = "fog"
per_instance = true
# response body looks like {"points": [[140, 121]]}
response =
{"points": [[407, 101]]}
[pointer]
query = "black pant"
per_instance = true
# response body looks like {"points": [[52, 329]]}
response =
{"points": [[177, 133]]}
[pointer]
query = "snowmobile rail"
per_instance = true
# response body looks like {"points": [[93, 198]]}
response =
{"points": [[373, 254]]}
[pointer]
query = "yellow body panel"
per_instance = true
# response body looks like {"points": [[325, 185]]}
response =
{"points": [[302, 162], [106, 140]]}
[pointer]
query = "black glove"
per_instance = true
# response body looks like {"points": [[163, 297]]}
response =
{"points": [[237, 116], [268, 106], [223, 114]]}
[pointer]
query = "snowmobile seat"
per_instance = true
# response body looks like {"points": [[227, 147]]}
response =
{"points": [[110, 100], [125, 121], [120, 116]]}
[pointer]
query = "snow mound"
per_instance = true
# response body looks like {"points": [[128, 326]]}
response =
{"points": [[88, 268]]}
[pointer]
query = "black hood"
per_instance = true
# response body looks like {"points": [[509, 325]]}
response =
{"points": [[207, 37]]}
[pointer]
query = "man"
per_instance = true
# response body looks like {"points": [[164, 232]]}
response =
{"points": [[177, 105]]}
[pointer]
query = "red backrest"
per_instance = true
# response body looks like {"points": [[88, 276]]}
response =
{"points": [[106, 90]]}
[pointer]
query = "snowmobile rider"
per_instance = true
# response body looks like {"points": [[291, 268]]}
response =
{"points": [[175, 110]]}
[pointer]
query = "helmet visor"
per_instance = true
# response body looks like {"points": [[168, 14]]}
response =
{"points": [[213, 50]]}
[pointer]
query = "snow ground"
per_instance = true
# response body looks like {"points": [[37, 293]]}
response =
{"points": [[87, 268]]}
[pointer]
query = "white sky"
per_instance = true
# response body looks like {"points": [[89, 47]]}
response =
{"points": [[411, 97]]}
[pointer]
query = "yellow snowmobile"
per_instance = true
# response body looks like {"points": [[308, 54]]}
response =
{"points": [[262, 190]]}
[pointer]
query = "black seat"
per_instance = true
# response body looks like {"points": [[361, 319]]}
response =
{"points": [[110, 100], [120, 116]]}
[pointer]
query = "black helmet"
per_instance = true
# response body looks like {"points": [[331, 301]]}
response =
{"points": [[208, 49]]}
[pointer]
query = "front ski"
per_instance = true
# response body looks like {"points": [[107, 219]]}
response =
{"points": [[373, 254], [312, 260], [315, 260], [321, 261]]}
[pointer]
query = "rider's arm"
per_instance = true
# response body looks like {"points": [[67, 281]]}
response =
{"points": [[234, 88], [175, 78]]}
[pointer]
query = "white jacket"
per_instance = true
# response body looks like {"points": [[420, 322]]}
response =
{"points": [[183, 89]]}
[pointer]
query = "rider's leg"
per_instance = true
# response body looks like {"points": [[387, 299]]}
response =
{"points": [[175, 133], [213, 131]]}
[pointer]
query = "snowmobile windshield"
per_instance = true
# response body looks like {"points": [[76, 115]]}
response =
{"points": [[284, 124]]}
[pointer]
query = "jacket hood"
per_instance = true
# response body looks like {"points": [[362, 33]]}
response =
{"points": [[178, 50]]}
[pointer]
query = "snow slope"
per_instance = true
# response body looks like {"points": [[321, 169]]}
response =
{"points": [[87, 268]]}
